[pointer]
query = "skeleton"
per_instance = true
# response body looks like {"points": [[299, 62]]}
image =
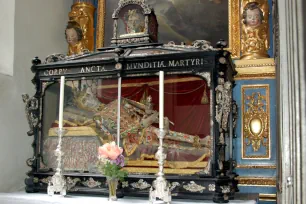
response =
{"points": [[223, 108], [223, 101]]}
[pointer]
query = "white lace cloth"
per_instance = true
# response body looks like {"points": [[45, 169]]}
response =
{"points": [[39, 198]]}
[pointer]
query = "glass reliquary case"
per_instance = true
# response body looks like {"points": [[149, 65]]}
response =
{"points": [[198, 88], [197, 104]]}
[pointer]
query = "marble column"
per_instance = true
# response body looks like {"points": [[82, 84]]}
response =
{"points": [[291, 102]]}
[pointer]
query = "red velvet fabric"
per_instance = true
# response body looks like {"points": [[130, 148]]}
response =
{"points": [[182, 101]]}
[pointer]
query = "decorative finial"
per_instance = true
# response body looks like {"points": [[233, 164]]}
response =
{"points": [[221, 44], [36, 61]]}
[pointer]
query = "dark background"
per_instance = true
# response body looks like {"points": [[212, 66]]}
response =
{"points": [[183, 21]]}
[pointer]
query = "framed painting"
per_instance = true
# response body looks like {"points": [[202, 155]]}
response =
{"points": [[183, 21]]}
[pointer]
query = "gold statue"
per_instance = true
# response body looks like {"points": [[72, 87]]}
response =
{"points": [[255, 32], [74, 36], [83, 14]]}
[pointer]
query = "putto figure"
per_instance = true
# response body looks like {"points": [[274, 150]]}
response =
{"points": [[255, 35]]}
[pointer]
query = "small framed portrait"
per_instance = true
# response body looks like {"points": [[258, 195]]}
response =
{"points": [[131, 21]]}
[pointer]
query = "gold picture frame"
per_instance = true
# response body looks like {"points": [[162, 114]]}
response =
{"points": [[233, 22], [100, 30]]}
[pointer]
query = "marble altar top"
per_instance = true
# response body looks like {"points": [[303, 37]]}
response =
{"points": [[37, 198]]}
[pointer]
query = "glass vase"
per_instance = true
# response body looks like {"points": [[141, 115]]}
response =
{"points": [[112, 188]]}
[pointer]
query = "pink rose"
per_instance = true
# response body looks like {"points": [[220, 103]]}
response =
{"points": [[110, 151]]}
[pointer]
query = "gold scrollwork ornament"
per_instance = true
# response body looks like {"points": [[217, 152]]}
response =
{"points": [[255, 29], [256, 125]]}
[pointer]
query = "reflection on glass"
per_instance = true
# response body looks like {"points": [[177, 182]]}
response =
{"points": [[90, 116]]}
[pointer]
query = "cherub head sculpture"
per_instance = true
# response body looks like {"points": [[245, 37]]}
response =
{"points": [[74, 37], [73, 33], [252, 15]]}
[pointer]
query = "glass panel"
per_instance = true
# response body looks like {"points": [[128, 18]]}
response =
{"points": [[187, 108], [90, 117], [81, 140]]}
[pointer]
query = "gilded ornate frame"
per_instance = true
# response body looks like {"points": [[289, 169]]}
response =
{"points": [[234, 26], [100, 30], [266, 126]]}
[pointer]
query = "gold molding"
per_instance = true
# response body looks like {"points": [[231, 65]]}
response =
{"points": [[74, 131], [257, 181], [263, 114], [244, 166], [166, 171], [154, 164], [255, 63], [233, 25], [100, 31], [234, 28], [255, 77], [255, 69], [145, 167], [267, 197]]}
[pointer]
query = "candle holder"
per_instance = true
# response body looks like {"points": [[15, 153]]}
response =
{"points": [[161, 186], [58, 181]]}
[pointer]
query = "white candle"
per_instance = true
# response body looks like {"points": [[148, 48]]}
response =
{"points": [[61, 103], [118, 109], [161, 100]]}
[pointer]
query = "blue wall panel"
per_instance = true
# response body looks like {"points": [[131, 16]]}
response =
{"points": [[251, 172], [271, 20], [238, 97]]}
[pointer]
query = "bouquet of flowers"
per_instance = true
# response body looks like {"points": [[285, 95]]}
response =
{"points": [[111, 161]]}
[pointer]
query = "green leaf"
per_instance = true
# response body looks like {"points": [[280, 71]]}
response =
{"points": [[112, 170]]}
